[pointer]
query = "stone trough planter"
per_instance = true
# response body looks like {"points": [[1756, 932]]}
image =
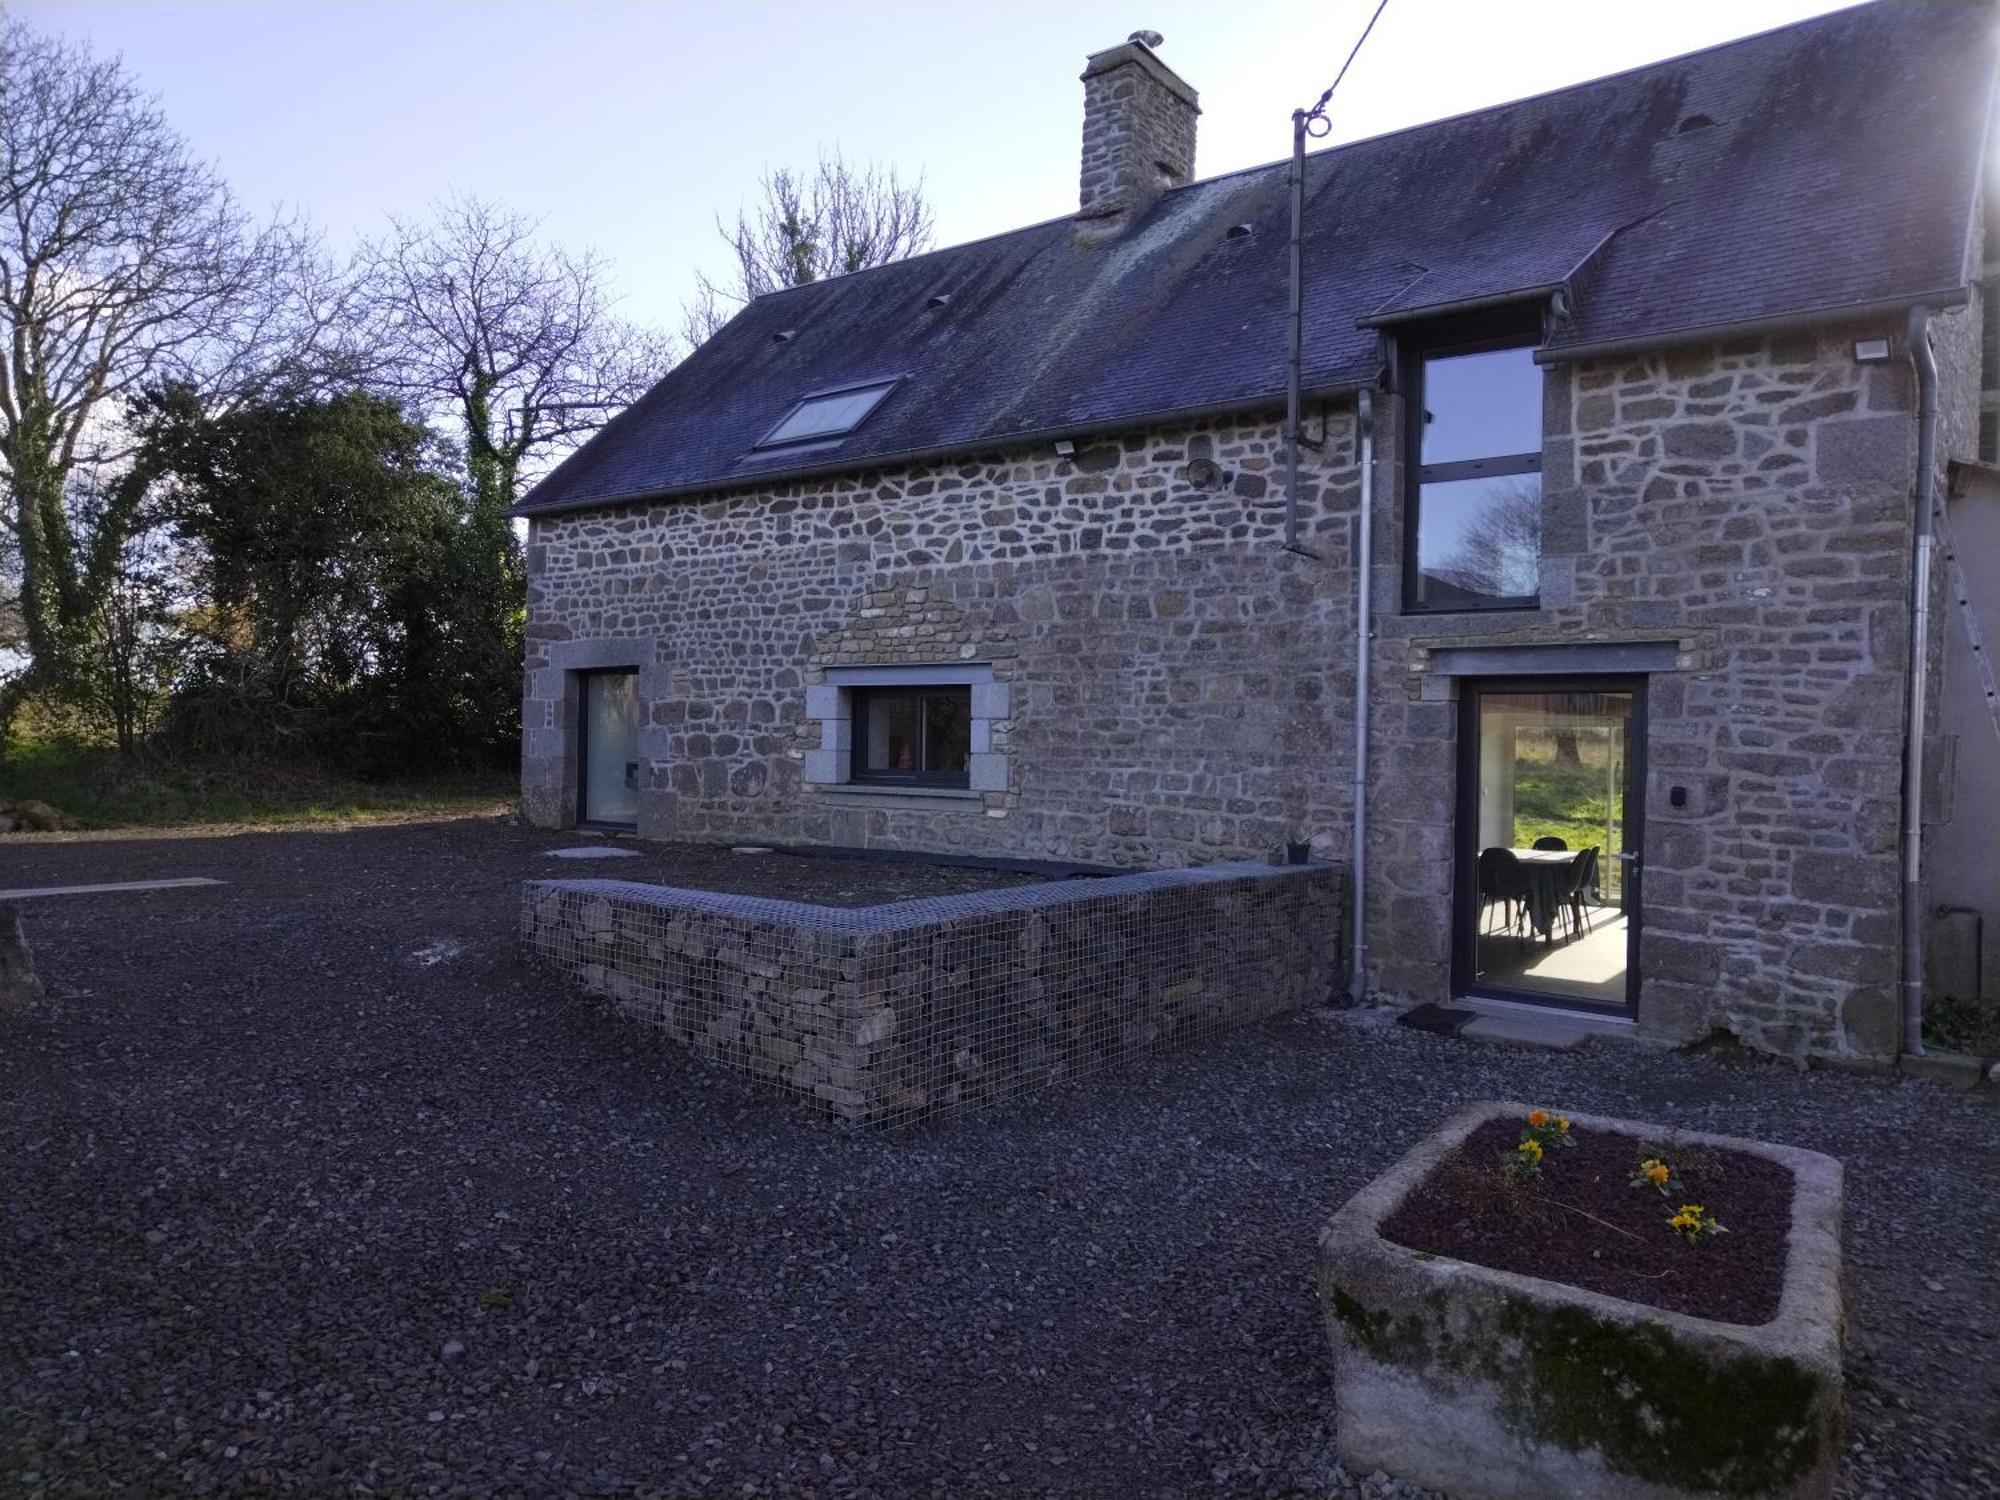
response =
{"points": [[1486, 1383]]}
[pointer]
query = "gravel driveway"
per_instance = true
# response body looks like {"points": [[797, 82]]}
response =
{"points": [[308, 1189]]}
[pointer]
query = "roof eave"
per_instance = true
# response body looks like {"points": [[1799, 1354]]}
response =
{"points": [[1564, 354], [1460, 308], [860, 464]]}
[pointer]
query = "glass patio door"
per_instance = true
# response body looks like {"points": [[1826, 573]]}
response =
{"points": [[608, 749], [1548, 842]]}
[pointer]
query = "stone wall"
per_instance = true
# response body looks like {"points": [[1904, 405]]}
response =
{"points": [[1138, 134], [1747, 503], [1177, 686], [1175, 680], [892, 1014]]}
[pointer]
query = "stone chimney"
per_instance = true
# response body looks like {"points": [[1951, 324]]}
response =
{"points": [[1138, 134]]}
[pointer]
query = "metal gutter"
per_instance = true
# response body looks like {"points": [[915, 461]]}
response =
{"points": [[992, 443], [1924, 358], [1743, 328], [1461, 307], [1951, 297]]}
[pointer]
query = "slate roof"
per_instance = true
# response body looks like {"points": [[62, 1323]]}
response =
{"points": [[1840, 172]]}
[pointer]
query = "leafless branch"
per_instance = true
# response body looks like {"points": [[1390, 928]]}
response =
{"points": [[809, 226], [474, 319], [124, 263]]}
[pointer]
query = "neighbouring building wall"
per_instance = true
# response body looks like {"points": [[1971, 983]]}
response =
{"points": [[1962, 781], [1962, 841], [1159, 682]]}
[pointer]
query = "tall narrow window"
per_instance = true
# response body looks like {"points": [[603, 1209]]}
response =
{"points": [[917, 736], [608, 748], [1474, 533]]}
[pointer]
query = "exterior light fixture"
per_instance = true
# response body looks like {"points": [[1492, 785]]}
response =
{"points": [[1870, 351], [1064, 448]]}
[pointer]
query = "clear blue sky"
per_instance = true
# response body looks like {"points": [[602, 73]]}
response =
{"points": [[629, 126]]}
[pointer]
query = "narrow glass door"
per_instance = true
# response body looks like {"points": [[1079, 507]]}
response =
{"points": [[1548, 850], [608, 752]]}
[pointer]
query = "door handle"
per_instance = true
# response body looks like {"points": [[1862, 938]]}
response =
{"points": [[1630, 859]]}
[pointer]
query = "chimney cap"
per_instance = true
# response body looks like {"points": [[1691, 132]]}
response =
{"points": [[1150, 39], [1135, 51]]}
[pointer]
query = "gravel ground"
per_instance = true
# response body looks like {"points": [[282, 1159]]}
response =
{"points": [[309, 1189]]}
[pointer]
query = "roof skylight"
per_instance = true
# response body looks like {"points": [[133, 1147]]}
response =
{"points": [[829, 414]]}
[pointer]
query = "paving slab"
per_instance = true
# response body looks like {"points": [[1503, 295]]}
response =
{"points": [[29, 892], [593, 851], [1528, 1031]]}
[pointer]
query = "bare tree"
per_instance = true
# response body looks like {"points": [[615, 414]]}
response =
{"points": [[808, 226], [123, 261], [1498, 551], [475, 321]]}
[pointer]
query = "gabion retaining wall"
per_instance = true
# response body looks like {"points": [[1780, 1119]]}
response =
{"points": [[889, 1014]]}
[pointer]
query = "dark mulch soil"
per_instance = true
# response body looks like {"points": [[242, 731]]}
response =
{"points": [[1581, 1222], [308, 1187], [821, 879]]}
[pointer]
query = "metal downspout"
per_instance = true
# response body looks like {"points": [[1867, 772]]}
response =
{"points": [[1295, 347], [1925, 360], [1364, 579]]}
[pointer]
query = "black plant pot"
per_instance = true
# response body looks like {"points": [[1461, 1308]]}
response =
{"points": [[1297, 853]]}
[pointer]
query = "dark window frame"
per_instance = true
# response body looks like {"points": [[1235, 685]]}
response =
{"points": [[1465, 832], [887, 387], [858, 771], [1510, 328]]}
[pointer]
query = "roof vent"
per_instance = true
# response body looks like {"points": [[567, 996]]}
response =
{"points": [[1237, 232], [784, 335], [939, 299], [1693, 123]]}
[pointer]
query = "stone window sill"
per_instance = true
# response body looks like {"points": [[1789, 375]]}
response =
{"points": [[946, 798]]}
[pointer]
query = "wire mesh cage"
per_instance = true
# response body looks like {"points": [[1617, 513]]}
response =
{"points": [[891, 1014]]}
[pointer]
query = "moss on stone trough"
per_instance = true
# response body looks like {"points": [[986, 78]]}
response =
{"points": [[1484, 1383], [1745, 1426]]}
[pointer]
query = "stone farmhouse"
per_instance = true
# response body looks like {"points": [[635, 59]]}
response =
{"points": [[1597, 609]]}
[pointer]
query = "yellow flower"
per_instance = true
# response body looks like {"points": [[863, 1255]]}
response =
{"points": [[1655, 1172], [1538, 1118], [1692, 1217], [1562, 1123], [1530, 1149]]}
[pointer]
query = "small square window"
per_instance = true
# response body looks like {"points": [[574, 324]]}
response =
{"points": [[1473, 520], [830, 414], [912, 736]]}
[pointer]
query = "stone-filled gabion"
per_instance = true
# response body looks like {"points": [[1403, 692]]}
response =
{"points": [[891, 1014]]}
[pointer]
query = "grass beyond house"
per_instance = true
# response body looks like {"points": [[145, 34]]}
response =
{"points": [[92, 787]]}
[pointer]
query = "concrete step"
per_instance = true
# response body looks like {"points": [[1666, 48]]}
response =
{"points": [[1554, 1032]]}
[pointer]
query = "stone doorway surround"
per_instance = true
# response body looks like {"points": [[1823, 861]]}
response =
{"points": [[549, 729], [1448, 666]]}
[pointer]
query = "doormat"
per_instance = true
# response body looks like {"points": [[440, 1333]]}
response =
{"points": [[1445, 1020]]}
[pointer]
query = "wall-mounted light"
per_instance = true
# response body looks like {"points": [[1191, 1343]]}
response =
{"points": [[1870, 351], [1064, 448]]}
